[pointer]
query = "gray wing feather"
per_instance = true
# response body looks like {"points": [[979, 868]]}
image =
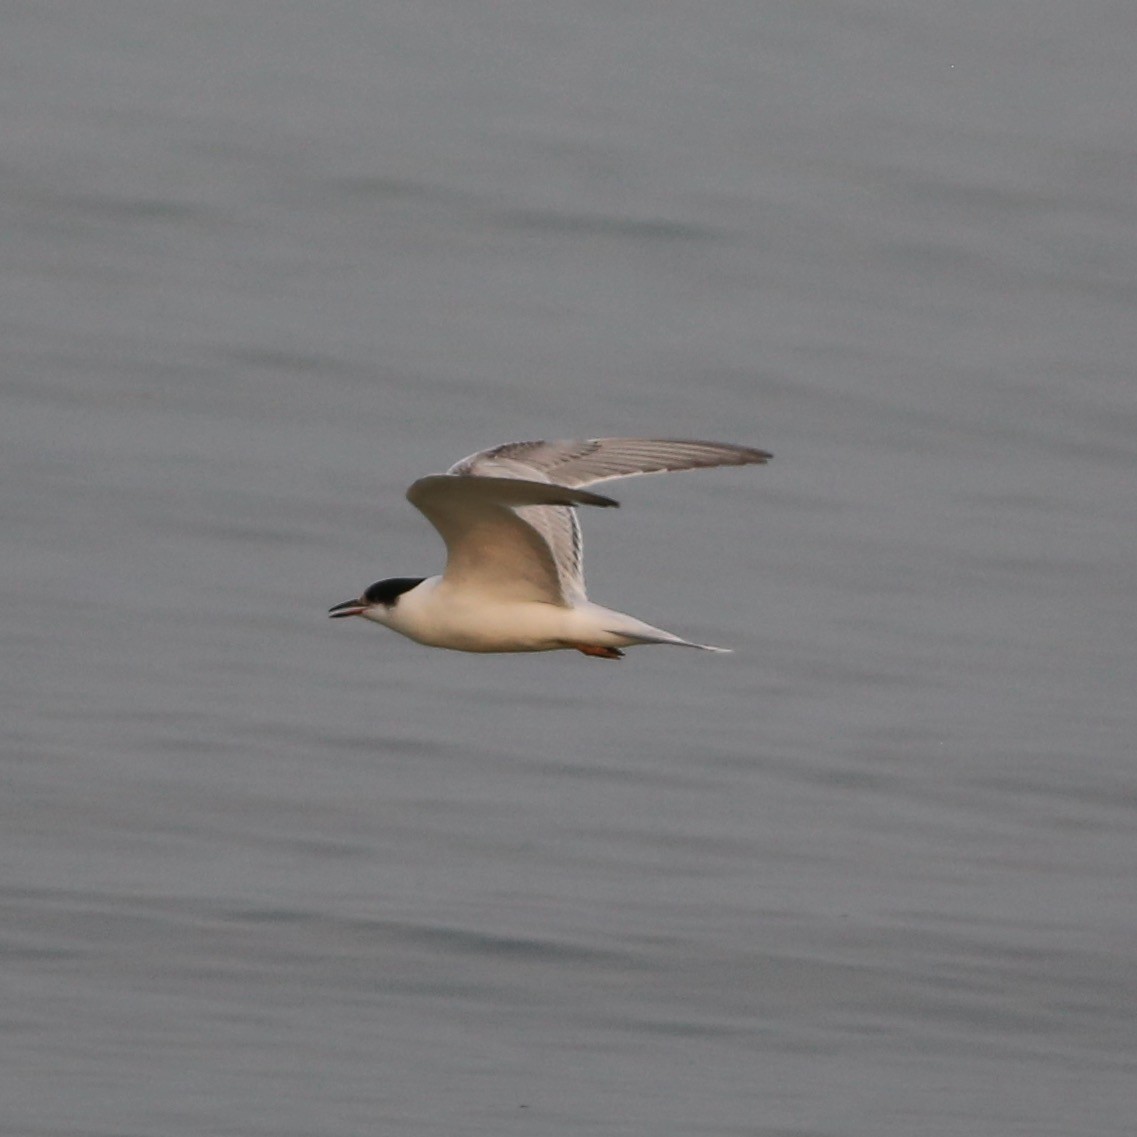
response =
{"points": [[583, 462]]}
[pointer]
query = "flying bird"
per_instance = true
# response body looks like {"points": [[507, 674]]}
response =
{"points": [[514, 579]]}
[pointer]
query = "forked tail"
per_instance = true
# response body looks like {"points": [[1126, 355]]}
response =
{"points": [[637, 632], [646, 634]]}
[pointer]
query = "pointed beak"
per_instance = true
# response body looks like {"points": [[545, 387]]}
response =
{"points": [[347, 608]]}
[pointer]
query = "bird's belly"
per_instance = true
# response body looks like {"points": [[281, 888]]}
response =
{"points": [[487, 626]]}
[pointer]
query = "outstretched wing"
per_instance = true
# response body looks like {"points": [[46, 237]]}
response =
{"points": [[582, 462], [490, 548]]}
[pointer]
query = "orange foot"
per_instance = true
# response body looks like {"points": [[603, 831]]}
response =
{"points": [[599, 652]]}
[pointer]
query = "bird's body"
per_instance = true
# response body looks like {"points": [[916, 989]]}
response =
{"points": [[514, 580], [442, 615]]}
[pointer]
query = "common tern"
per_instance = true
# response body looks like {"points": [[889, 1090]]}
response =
{"points": [[514, 579]]}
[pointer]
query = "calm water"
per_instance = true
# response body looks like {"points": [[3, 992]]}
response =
{"points": [[266, 875]]}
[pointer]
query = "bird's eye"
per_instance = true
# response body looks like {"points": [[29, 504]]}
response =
{"points": [[375, 594]]}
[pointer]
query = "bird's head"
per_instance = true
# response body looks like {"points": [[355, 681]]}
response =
{"points": [[378, 601]]}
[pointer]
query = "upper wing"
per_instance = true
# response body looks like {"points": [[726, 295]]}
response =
{"points": [[490, 547], [582, 462]]}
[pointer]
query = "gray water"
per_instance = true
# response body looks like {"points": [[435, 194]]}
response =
{"points": [[262, 264]]}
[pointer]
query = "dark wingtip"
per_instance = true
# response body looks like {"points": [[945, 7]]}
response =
{"points": [[587, 497], [751, 456]]}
